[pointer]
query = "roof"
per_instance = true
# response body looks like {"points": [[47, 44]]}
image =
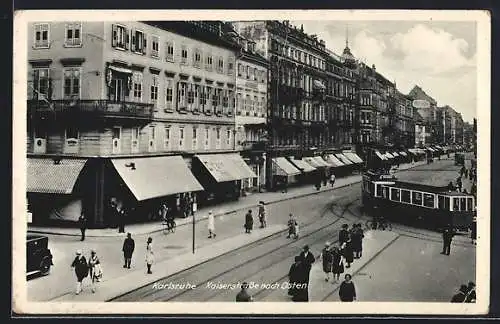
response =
{"points": [[226, 167], [52, 175]]}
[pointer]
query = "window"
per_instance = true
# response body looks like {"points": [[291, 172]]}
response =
{"points": [[195, 138], [203, 97], [166, 139], [169, 55], [197, 97], [218, 138], [240, 69], [73, 35], [456, 204], [184, 54], [416, 198], [116, 133], [152, 132], [41, 83], [155, 47], [154, 89], [395, 194], [190, 95], [463, 202], [137, 86], [71, 133], [209, 62], [215, 97], [405, 196], [71, 83], [181, 138], [169, 93], [220, 65], [247, 70], [197, 58], [254, 74], [225, 100], [138, 44], [120, 37], [207, 138], [135, 139], [181, 96], [41, 39], [429, 200], [441, 202], [230, 66], [228, 137]]}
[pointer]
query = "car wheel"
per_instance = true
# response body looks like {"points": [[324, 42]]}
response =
{"points": [[45, 266]]}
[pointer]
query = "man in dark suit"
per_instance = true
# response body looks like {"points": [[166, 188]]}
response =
{"points": [[128, 249], [308, 260], [82, 223], [448, 234], [344, 234]]}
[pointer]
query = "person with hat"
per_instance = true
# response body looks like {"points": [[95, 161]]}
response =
{"points": [[473, 230], [81, 269], [347, 252], [448, 234], [211, 225], [243, 295], [459, 297], [82, 223], [337, 263], [343, 234], [308, 260], [292, 227], [248, 222], [95, 269], [150, 257], [347, 291], [327, 258], [470, 297], [128, 249], [294, 275], [262, 214]]}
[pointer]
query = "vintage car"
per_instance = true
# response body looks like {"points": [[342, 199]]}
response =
{"points": [[38, 255]]}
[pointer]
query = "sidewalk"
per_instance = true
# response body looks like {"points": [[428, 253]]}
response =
{"points": [[248, 202]]}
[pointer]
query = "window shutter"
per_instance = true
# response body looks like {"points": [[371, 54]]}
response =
{"points": [[145, 41], [114, 35], [127, 38], [132, 43]]}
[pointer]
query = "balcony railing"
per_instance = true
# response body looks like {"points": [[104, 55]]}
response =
{"points": [[107, 108]]}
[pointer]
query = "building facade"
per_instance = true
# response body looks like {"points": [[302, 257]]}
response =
{"points": [[102, 93], [428, 112], [251, 111]]}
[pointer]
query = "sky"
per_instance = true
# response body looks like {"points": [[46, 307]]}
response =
{"points": [[438, 56]]}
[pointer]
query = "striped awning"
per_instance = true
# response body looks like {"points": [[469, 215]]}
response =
{"points": [[380, 155], [226, 167], [302, 165], [344, 159], [403, 153], [321, 161], [332, 159], [45, 175], [395, 154], [388, 155], [353, 157], [313, 162], [282, 167]]}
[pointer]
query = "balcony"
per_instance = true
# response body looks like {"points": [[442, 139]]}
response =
{"points": [[91, 108], [254, 145]]}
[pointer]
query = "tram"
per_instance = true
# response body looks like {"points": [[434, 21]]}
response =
{"points": [[405, 202]]}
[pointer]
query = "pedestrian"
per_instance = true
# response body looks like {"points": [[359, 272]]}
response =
{"points": [[262, 214], [128, 249], [343, 234], [332, 179], [285, 185], [150, 257], [81, 270], [327, 258], [292, 227], [95, 270], [447, 238], [473, 189], [466, 173], [302, 288], [308, 260], [459, 184], [318, 184], [211, 225], [294, 276], [337, 263], [459, 297], [357, 238], [243, 295], [451, 187], [347, 291], [347, 253], [82, 223], [248, 222], [462, 171], [121, 220], [470, 297], [473, 230]]}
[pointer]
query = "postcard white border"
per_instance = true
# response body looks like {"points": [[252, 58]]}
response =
{"points": [[22, 306]]}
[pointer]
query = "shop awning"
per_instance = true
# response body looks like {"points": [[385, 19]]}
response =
{"points": [[332, 159], [313, 162], [302, 165], [226, 167], [120, 69], [388, 155], [430, 149], [380, 155], [321, 161], [284, 168], [403, 153], [152, 177], [344, 159], [45, 175], [353, 157], [395, 154]]}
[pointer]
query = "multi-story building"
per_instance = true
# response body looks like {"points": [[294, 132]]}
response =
{"points": [[450, 130], [296, 88], [128, 112], [420, 131], [404, 122], [427, 108], [251, 110]]}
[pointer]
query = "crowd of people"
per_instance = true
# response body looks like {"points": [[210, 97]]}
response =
{"points": [[465, 294]]}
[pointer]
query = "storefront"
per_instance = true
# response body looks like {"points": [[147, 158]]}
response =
{"points": [[309, 172], [284, 173], [221, 176]]}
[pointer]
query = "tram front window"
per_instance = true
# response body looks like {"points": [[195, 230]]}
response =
{"points": [[405, 196], [417, 198], [456, 204], [463, 206], [429, 200]]}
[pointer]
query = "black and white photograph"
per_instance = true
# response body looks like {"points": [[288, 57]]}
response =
{"points": [[318, 161]]}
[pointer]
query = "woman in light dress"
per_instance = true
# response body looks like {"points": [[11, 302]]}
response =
{"points": [[150, 258], [94, 269], [211, 225]]}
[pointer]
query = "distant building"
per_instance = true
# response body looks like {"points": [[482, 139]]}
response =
{"points": [[420, 130], [428, 112]]}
